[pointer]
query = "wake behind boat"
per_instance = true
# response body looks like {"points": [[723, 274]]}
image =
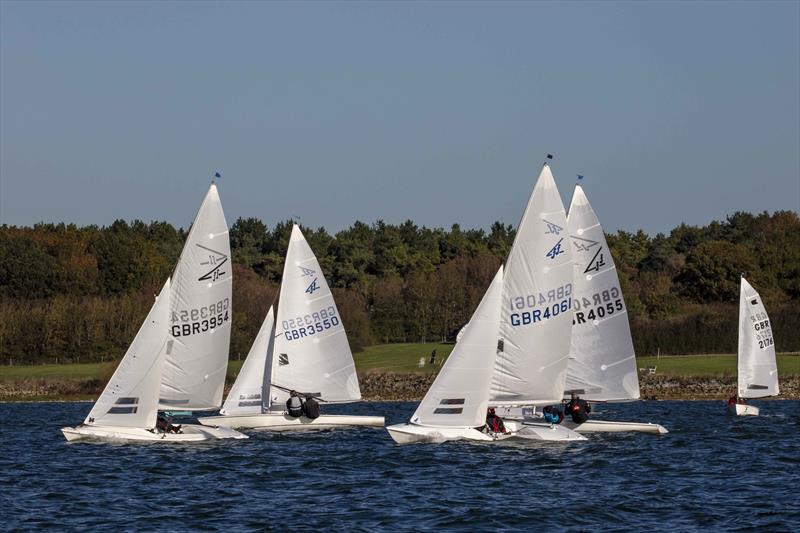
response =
{"points": [[304, 350]]}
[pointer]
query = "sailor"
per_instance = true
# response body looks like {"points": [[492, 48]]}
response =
{"points": [[494, 423], [311, 407], [578, 408], [552, 415], [164, 425], [733, 400], [294, 405]]}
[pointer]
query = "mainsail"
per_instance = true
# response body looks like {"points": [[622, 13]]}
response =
{"points": [[130, 398], [460, 394], [311, 354], [758, 370], [536, 318], [247, 394], [200, 314], [602, 363]]}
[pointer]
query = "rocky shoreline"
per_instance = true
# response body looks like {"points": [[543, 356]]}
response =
{"points": [[383, 386], [377, 386]]}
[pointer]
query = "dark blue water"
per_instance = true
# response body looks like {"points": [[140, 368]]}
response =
{"points": [[712, 472]]}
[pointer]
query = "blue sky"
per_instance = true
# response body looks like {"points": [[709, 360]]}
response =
{"points": [[438, 112]]}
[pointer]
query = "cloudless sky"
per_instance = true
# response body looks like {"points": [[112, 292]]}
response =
{"points": [[438, 112]]}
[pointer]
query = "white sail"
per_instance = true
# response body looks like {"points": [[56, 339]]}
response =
{"points": [[460, 394], [602, 363], [536, 318], [130, 398], [311, 353], [758, 370], [200, 313], [246, 395]]}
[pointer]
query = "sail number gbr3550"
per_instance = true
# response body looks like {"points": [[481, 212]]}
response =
{"points": [[310, 324], [200, 320]]}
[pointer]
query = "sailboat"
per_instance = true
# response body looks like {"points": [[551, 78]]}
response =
{"points": [[179, 357], [306, 350], [757, 368], [454, 408], [527, 366], [602, 362]]}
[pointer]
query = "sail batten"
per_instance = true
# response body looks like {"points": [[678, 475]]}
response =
{"points": [[602, 358], [757, 367]]}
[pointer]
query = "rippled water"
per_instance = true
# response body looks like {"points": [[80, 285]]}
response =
{"points": [[711, 472]]}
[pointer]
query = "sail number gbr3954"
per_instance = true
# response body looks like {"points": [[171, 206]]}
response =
{"points": [[200, 320]]}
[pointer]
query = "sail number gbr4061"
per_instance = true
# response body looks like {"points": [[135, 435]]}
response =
{"points": [[541, 306], [200, 320]]}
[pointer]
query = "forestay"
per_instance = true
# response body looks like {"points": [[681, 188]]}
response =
{"points": [[460, 394], [246, 395], [200, 314], [758, 370], [536, 317], [311, 353], [130, 398], [602, 362]]}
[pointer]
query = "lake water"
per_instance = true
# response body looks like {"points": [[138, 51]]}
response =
{"points": [[711, 472]]}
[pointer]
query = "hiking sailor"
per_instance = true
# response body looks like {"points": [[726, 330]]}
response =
{"points": [[294, 405], [494, 423], [578, 408], [552, 415]]}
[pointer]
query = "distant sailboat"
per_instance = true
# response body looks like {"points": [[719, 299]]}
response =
{"points": [[179, 357], [757, 367], [528, 364], [602, 363], [309, 353]]}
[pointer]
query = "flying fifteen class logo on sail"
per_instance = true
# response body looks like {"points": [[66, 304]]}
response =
{"points": [[215, 260]]}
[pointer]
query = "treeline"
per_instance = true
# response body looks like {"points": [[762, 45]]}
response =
{"points": [[72, 293]]}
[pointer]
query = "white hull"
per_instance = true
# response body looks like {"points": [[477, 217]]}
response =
{"points": [[413, 433], [189, 433], [284, 422], [743, 409], [611, 426]]}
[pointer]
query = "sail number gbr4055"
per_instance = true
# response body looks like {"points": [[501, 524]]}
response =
{"points": [[191, 321]]}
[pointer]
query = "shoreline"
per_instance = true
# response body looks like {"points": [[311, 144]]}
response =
{"points": [[401, 387]]}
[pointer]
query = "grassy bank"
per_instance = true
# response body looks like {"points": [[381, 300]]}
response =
{"points": [[403, 358], [84, 381]]}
